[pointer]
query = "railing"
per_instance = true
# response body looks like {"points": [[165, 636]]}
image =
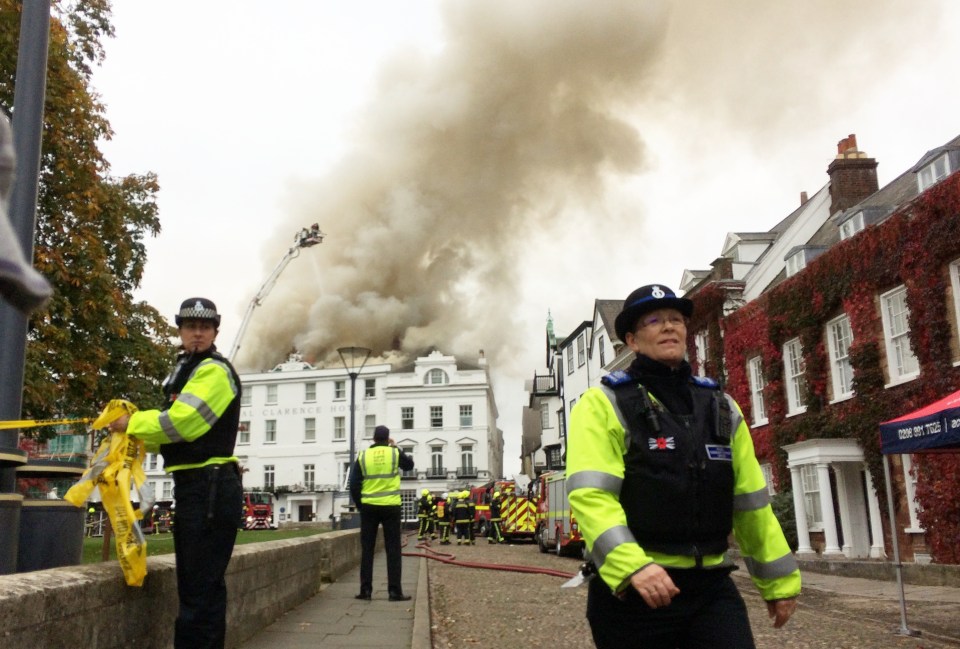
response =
{"points": [[544, 384], [436, 472], [411, 474], [467, 472]]}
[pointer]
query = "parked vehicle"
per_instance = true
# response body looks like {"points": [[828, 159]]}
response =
{"points": [[258, 511], [557, 528]]}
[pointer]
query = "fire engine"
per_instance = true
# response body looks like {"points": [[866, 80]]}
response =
{"points": [[557, 528], [258, 511], [518, 514]]}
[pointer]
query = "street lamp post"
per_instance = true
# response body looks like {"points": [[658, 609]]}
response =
{"points": [[353, 359]]}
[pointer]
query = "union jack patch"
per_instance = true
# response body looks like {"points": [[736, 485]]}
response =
{"points": [[662, 443]]}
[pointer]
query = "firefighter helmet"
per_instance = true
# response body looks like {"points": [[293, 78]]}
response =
{"points": [[198, 308], [424, 492], [496, 494], [444, 495]]}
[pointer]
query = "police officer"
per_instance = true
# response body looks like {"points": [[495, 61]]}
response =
{"points": [[660, 469], [196, 431], [375, 485]]}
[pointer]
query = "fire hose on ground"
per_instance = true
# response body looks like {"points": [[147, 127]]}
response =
{"points": [[445, 557]]}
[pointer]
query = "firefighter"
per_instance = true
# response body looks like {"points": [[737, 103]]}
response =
{"points": [[423, 513], [196, 432], [443, 519], [462, 518], [472, 506], [494, 535], [433, 517], [660, 470]]}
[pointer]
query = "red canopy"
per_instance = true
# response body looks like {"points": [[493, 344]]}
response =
{"points": [[933, 428]]}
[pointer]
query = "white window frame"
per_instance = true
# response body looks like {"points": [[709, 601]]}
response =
{"points": [[955, 283], [246, 397], [436, 376], [339, 428], [466, 457], [466, 415], [794, 378], [570, 359], [369, 423], [700, 341], [309, 476], [602, 351], [581, 349], [810, 483], [269, 476], [270, 431], [243, 433], [839, 338], [544, 415], [935, 171], [758, 407], [369, 388], [436, 417], [436, 459], [851, 226], [271, 395], [796, 262], [310, 391], [339, 390], [310, 430], [406, 415], [902, 364]]}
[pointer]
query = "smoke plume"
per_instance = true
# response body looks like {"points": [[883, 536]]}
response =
{"points": [[467, 160]]}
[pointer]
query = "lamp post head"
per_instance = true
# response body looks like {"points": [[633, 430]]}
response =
{"points": [[353, 358]]}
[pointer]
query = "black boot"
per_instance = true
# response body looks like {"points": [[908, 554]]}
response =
{"points": [[398, 596]]}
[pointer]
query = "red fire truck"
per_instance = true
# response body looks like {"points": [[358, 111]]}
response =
{"points": [[258, 511], [518, 514], [557, 528]]}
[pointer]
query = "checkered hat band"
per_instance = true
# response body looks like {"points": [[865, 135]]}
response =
{"points": [[199, 314]]}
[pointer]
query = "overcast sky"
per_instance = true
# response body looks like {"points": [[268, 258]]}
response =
{"points": [[478, 163]]}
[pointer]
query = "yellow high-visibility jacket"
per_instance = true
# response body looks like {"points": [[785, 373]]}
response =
{"points": [[596, 444]]}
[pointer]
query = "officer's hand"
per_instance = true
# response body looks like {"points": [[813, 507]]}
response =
{"points": [[654, 585], [780, 611]]}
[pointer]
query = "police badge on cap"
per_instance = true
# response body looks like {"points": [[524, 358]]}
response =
{"points": [[198, 308], [645, 299]]}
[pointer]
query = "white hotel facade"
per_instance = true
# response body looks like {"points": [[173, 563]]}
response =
{"points": [[294, 437]]}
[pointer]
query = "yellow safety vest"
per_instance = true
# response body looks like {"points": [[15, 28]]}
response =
{"points": [[380, 467]]}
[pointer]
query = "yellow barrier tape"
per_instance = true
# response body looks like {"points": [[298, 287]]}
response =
{"points": [[116, 467], [36, 423]]}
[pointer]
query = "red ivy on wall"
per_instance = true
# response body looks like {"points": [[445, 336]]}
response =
{"points": [[913, 247]]}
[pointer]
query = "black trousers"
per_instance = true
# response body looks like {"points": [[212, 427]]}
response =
{"points": [[372, 517], [709, 613], [209, 506]]}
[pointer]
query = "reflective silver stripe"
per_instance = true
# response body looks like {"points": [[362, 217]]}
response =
{"points": [[168, 428], [735, 417], [379, 494], [612, 398], [596, 480], [751, 501], [609, 541], [781, 567], [382, 476], [198, 404]]}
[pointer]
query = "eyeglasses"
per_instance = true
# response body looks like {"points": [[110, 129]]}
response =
{"points": [[660, 321]]}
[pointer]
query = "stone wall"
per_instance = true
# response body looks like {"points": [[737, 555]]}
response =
{"points": [[90, 606]]}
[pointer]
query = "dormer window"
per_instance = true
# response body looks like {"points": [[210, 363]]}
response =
{"points": [[436, 377], [935, 171], [796, 262], [851, 226]]}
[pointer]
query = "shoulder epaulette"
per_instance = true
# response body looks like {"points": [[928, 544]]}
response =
{"points": [[705, 382], [615, 378]]}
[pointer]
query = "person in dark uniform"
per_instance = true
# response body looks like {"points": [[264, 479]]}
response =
{"points": [[196, 431], [375, 486], [660, 470], [494, 535]]}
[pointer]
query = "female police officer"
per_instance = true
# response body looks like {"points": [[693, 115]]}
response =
{"points": [[196, 431], [660, 469]]}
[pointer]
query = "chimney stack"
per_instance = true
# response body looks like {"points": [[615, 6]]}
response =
{"points": [[803, 198], [853, 175]]}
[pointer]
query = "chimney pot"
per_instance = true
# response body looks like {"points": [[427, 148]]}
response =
{"points": [[803, 197]]}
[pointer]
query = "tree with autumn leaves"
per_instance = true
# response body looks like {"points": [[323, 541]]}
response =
{"points": [[93, 341]]}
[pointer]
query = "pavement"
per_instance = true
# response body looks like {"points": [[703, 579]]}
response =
{"points": [[334, 619]]}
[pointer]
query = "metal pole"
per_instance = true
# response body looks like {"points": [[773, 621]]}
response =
{"points": [[904, 629], [353, 414], [28, 97]]}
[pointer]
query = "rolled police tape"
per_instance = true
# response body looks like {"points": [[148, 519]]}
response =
{"points": [[116, 466]]}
